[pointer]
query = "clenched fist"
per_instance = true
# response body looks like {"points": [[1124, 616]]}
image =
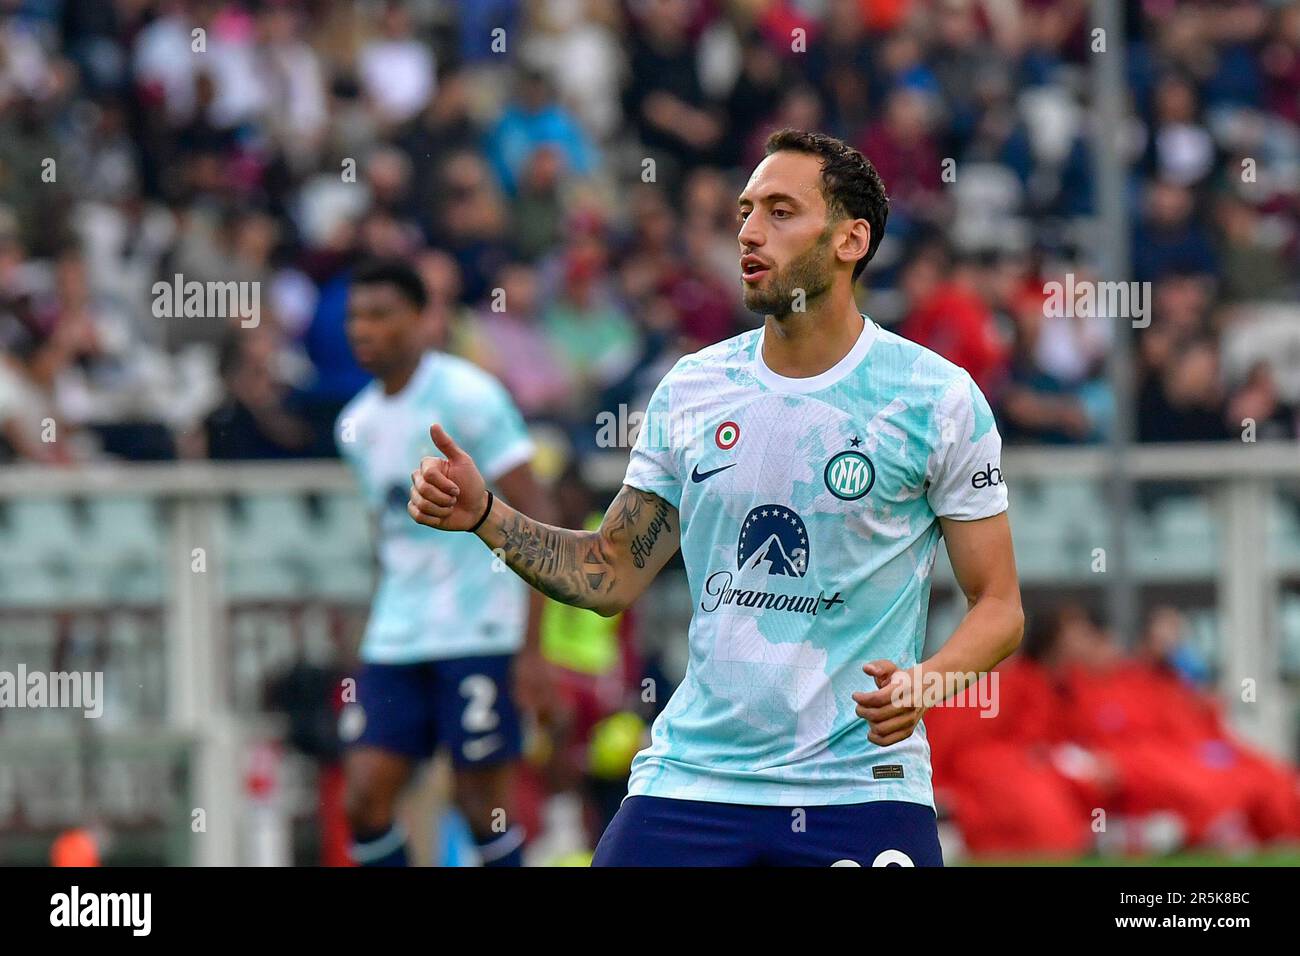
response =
{"points": [[448, 492], [894, 708]]}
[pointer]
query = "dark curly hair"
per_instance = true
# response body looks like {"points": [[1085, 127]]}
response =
{"points": [[850, 184], [398, 273]]}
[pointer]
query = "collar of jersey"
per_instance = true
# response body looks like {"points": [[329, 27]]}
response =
{"points": [[815, 383], [413, 386]]}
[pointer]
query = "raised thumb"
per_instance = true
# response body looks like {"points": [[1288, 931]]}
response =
{"points": [[450, 450]]}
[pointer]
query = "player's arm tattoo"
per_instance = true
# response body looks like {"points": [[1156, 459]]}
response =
{"points": [[640, 518], [583, 568], [548, 559]]}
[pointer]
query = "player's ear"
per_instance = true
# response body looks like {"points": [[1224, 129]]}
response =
{"points": [[856, 242]]}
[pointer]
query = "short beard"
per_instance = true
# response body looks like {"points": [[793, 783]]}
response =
{"points": [[809, 273]]}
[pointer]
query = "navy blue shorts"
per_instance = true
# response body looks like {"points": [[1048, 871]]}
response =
{"points": [[655, 831], [462, 703]]}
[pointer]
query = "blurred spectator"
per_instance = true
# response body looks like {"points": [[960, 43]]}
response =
{"points": [[577, 45], [111, 384], [511, 343], [963, 60], [1165, 643], [396, 69], [1258, 402], [1185, 401], [289, 74], [1280, 62], [471, 222], [665, 99], [1081, 726], [533, 120], [946, 313], [1254, 265], [283, 140], [1039, 404], [703, 309], [30, 153], [1169, 238], [445, 129], [749, 106], [445, 316], [709, 222], [842, 64], [906, 155], [1182, 150], [255, 420], [537, 214], [585, 327]]}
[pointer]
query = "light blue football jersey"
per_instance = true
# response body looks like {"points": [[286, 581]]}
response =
{"points": [[438, 595], [809, 528]]}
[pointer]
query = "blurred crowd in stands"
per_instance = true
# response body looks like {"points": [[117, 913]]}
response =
{"points": [[564, 174]]}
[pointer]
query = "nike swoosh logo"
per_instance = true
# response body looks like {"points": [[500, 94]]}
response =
{"points": [[697, 475], [480, 748]]}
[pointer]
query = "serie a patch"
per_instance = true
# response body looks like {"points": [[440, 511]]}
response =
{"points": [[889, 771]]}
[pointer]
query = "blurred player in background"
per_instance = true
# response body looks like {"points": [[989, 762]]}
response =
{"points": [[807, 471], [447, 632]]}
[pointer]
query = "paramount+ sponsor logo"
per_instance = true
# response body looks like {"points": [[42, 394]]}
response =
{"points": [[719, 592], [773, 544], [990, 477]]}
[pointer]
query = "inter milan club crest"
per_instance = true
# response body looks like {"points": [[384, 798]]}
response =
{"points": [[850, 475], [773, 538], [727, 435]]}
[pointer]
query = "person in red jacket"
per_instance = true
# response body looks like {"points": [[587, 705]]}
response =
{"points": [[1192, 719], [946, 313], [1011, 784], [1121, 710], [1082, 728]]}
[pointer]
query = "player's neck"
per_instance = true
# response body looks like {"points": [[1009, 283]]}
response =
{"points": [[804, 344], [397, 379]]}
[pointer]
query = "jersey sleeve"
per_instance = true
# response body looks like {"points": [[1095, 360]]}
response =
{"points": [[652, 466], [487, 424], [964, 473]]}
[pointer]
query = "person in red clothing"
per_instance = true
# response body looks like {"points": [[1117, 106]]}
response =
{"points": [[1011, 785], [1269, 788], [1165, 756], [947, 314]]}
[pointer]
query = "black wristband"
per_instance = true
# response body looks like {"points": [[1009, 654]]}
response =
{"points": [[486, 511]]}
